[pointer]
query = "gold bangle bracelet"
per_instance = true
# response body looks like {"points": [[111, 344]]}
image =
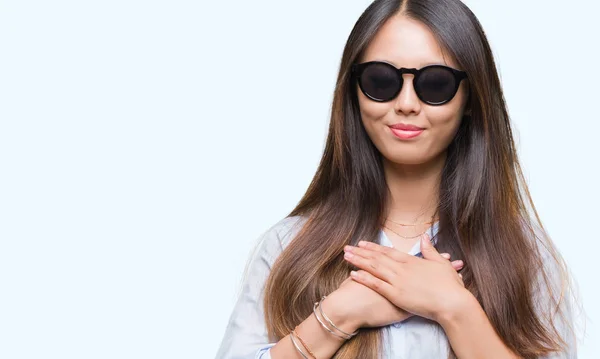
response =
{"points": [[330, 322], [297, 346], [303, 343], [324, 325]]}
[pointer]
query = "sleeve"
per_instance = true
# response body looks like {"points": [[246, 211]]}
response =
{"points": [[246, 335], [556, 290]]}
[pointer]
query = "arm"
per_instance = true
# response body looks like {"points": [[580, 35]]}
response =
{"points": [[246, 334], [322, 343], [467, 321], [470, 321], [429, 287], [548, 294]]}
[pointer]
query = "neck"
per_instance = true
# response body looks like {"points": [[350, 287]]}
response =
{"points": [[414, 189]]}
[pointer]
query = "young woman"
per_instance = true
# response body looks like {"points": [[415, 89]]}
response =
{"points": [[419, 160]]}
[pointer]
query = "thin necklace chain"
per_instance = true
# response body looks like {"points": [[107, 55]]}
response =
{"points": [[408, 225], [404, 237]]}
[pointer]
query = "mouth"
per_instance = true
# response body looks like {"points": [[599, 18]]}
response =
{"points": [[406, 134], [405, 127]]}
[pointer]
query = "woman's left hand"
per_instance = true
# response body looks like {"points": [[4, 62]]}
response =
{"points": [[429, 287]]}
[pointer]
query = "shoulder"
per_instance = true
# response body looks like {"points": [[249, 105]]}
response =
{"points": [[288, 225], [274, 240], [551, 262], [288, 228]]}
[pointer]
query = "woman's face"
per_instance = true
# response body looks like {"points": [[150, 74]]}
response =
{"points": [[404, 42]]}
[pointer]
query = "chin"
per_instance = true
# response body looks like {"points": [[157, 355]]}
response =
{"points": [[406, 160]]}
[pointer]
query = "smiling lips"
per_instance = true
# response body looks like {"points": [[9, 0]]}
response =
{"points": [[404, 131], [405, 127]]}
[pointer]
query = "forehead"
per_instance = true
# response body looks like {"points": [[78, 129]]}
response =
{"points": [[404, 42]]}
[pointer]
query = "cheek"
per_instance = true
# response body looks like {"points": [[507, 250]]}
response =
{"points": [[372, 110], [446, 119], [444, 126], [444, 123], [372, 115]]}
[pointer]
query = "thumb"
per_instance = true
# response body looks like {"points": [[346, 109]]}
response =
{"points": [[428, 250]]}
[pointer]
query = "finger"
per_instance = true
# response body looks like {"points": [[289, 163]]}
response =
{"points": [[369, 280], [377, 264], [457, 265], [393, 253], [445, 255], [377, 255], [428, 250]]}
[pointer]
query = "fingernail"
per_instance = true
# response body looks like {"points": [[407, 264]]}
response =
{"points": [[348, 255]]}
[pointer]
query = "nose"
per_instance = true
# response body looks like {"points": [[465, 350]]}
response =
{"points": [[407, 100]]}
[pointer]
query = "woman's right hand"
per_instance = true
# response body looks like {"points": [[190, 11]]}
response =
{"points": [[356, 305]]}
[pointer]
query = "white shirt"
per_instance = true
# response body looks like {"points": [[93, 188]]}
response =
{"points": [[246, 335]]}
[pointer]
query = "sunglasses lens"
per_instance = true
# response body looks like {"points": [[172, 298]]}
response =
{"points": [[436, 85], [380, 81]]}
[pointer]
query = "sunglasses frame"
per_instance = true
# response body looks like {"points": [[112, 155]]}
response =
{"points": [[357, 70]]}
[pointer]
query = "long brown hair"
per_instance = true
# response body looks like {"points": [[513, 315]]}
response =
{"points": [[485, 209]]}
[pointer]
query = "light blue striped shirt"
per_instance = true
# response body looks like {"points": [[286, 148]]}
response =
{"points": [[246, 335]]}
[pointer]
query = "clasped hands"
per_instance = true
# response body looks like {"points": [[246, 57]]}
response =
{"points": [[429, 287]]}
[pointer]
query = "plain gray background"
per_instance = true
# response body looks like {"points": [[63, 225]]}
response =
{"points": [[145, 145]]}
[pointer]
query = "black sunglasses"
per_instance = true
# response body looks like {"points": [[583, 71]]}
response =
{"points": [[382, 82]]}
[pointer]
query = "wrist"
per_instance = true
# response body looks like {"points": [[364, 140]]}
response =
{"points": [[333, 306], [456, 307]]}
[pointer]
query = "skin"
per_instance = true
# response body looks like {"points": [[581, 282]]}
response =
{"points": [[429, 286], [412, 167], [392, 285]]}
